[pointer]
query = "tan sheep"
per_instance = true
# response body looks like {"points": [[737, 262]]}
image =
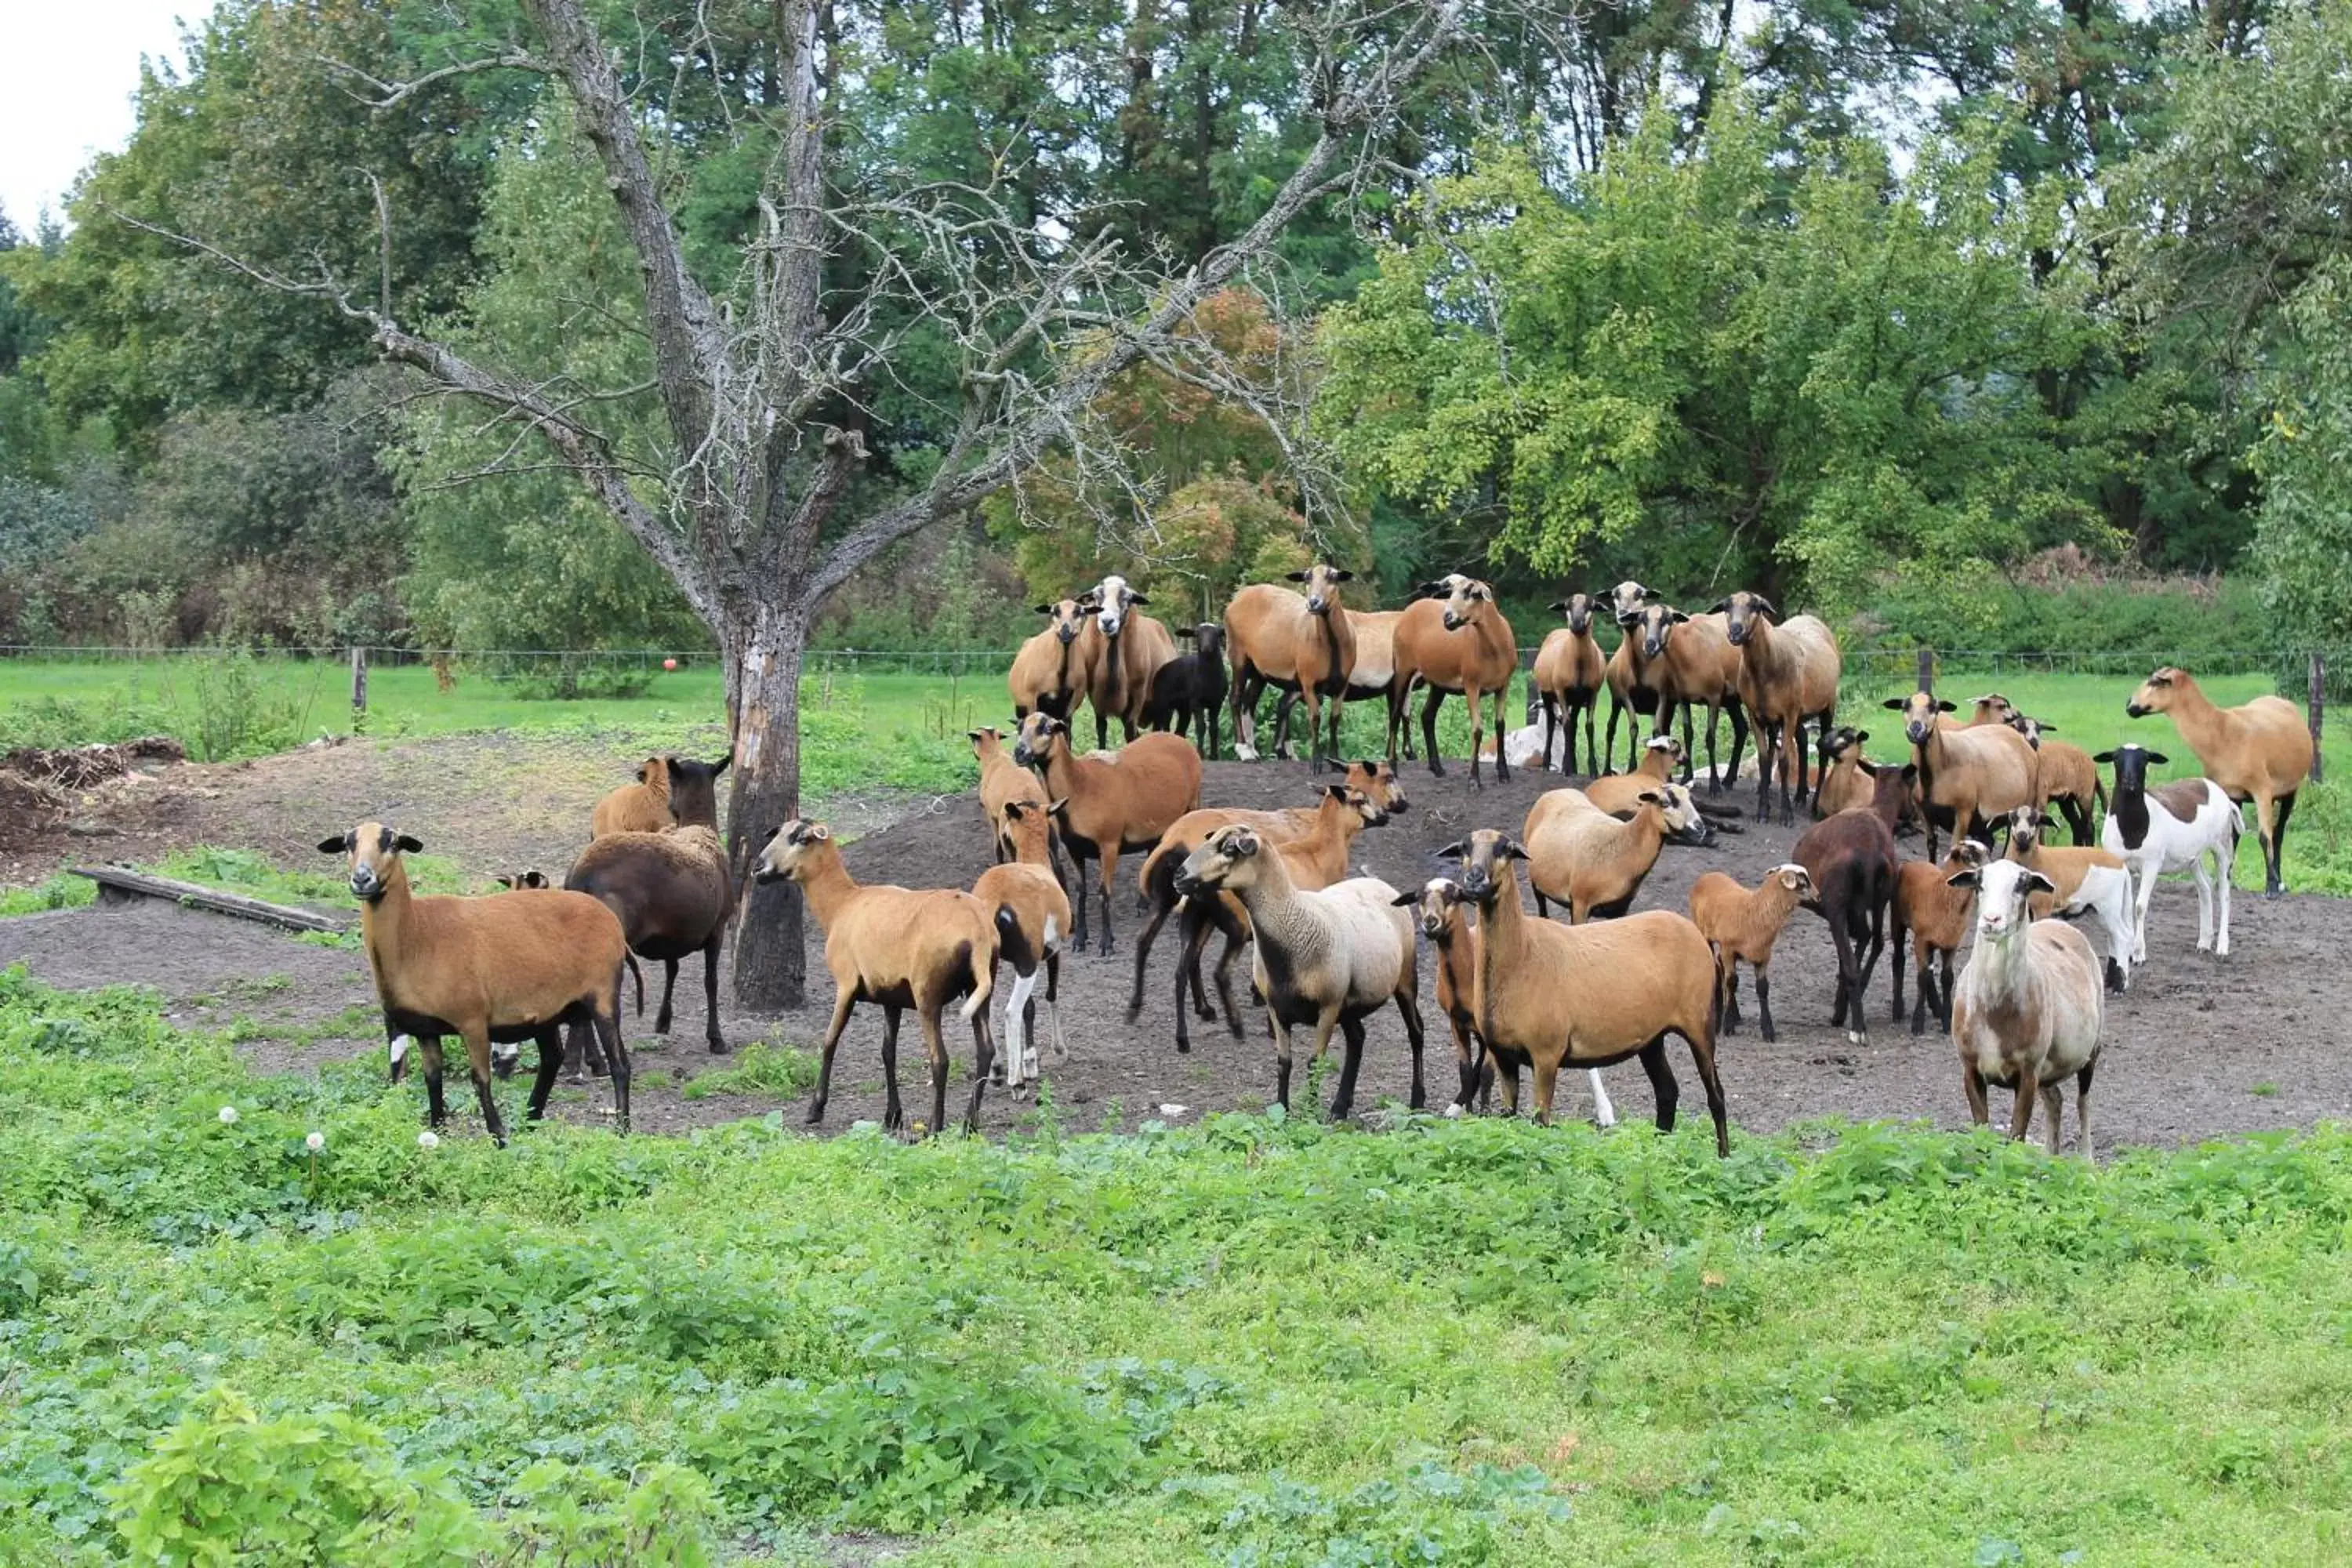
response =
{"points": [[1457, 645], [1975, 776], [2258, 750], [1053, 669], [1850, 779], [495, 969], [1593, 862], [1112, 805], [1032, 918], [1555, 995], [1741, 925], [1570, 674], [1661, 756], [2065, 776], [898, 947], [1123, 650], [1298, 641], [1932, 917], [1789, 674], [1002, 782]]}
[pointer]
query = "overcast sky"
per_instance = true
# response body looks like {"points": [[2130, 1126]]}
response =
{"points": [[67, 70]]}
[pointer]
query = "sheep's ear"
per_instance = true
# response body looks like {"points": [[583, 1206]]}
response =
{"points": [[768, 838], [2103, 758], [1511, 849], [1337, 792], [337, 845], [720, 765], [1295, 576], [1055, 808], [505, 882], [1557, 606], [1406, 901], [1677, 617], [1452, 851], [1135, 598], [1343, 575], [2035, 882], [1894, 702], [1860, 736], [1967, 878], [1719, 607], [1017, 809], [974, 735], [1651, 797], [1764, 606], [2045, 726], [2159, 757], [1947, 707], [409, 844]]}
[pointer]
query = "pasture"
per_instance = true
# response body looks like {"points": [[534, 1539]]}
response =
{"points": [[1142, 1319]]}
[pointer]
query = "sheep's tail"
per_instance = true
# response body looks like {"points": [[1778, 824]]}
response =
{"points": [[1715, 998], [982, 956]]}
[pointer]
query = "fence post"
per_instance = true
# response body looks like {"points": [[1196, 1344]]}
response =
{"points": [[359, 680], [2318, 710], [1926, 670]]}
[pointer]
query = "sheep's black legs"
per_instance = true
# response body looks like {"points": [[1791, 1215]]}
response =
{"points": [[710, 997], [984, 1052], [1195, 931], [2083, 1108], [2275, 850], [1078, 896], [840, 1006], [1429, 731], [1662, 1081], [1412, 1038], [1972, 1084], [608, 1033], [436, 1109], [1110, 863], [669, 987], [1551, 731], [551, 1062], [1764, 1007], [1944, 994], [477, 1065], [1703, 1054], [1352, 1030], [894, 1114], [1901, 942], [1159, 912]]}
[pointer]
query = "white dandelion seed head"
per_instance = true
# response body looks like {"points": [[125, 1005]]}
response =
{"points": [[316, 1142], [228, 1115], [428, 1140]]}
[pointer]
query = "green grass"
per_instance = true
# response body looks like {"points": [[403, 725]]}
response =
{"points": [[61, 891], [1249, 1342], [760, 1067]]}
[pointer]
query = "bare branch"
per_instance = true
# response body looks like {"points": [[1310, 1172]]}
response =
{"points": [[391, 93]]}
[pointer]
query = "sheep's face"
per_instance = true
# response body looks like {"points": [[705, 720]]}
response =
{"points": [[1440, 587], [372, 851], [1069, 618], [1113, 600], [1322, 586], [1578, 609], [786, 852], [1378, 780], [1208, 640], [1657, 623], [1625, 602], [2002, 889], [1362, 804], [1992, 708], [694, 788], [1039, 735], [1667, 746], [1462, 604], [1919, 711], [1843, 739], [1793, 879], [2131, 767], [1226, 859], [1433, 906], [2024, 830], [2155, 694], [1485, 856], [2030, 728], [1741, 615], [1685, 824], [986, 741], [524, 881], [1024, 825]]}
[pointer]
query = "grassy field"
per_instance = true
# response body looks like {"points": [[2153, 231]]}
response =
{"points": [[1253, 1342], [906, 731]]}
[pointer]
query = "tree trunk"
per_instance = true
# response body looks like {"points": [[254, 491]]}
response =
{"points": [[764, 688]]}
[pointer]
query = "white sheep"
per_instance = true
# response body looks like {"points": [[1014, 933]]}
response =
{"points": [[2169, 829], [2027, 1011]]}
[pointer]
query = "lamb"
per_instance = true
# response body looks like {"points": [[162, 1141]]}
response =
{"points": [[1032, 915], [1570, 672], [669, 791], [674, 897], [2064, 775], [1852, 860], [1691, 661], [2258, 751], [1459, 645], [1934, 916], [1123, 650], [1593, 862], [1298, 641], [491, 970], [1189, 691], [1324, 959], [2193, 818], [1661, 755], [898, 947], [1003, 780], [2086, 881], [1975, 775], [1373, 787], [1740, 924], [2027, 1012], [1788, 673], [1587, 996], [1053, 668], [1113, 804], [1850, 778]]}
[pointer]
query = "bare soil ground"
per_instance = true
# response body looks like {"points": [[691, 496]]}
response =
{"points": [[2200, 1046]]}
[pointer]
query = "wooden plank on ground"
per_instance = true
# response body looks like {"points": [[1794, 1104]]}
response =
{"points": [[116, 886]]}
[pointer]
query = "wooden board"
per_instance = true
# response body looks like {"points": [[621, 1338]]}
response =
{"points": [[116, 886]]}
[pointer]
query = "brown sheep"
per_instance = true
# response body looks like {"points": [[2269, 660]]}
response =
{"points": [[1851, 858], [496, 970], [1368, 680], [2258, 750], [1691, 661], [1124, 651], [2064, 775], [1570, 673], [1593, 862], [1113, 804], [1934, 916], [898, 947], [1789, 674], [1375, 782], [1661, 755], [1053, 669], [1458, 645], [1744, 925], [669, 791], [1555, 995], [674, 897], [1032, 918], [1300, 642], [1974, 776], [1849, 779], [1002, 782]]}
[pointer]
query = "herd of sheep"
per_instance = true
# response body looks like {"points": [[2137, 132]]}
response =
{"points": [[1328, 950]]}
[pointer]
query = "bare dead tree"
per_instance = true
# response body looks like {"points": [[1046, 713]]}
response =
{"points": [[763, 514]]}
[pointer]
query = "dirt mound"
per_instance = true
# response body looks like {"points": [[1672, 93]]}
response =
{"points": [[79, 767]]}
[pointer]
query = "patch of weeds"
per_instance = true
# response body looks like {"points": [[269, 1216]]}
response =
{"points": [[760, 1067], [2263, 1090], [63, 891]]}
